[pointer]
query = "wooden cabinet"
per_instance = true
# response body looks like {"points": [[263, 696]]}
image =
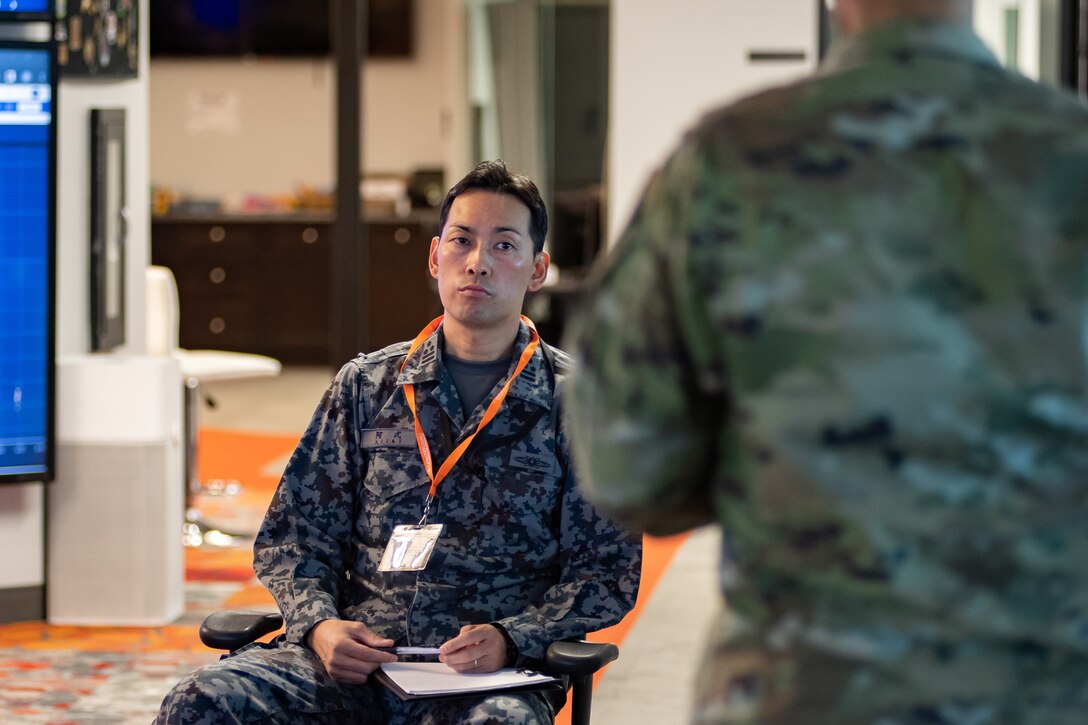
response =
{"points": [[293, 297], [402, 295], [213, 265], [261, 284]]}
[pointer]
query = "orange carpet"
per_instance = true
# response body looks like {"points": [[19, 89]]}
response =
{"points": [[62, 675], [257, 461]]}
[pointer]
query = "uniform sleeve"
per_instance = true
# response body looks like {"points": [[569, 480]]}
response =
{"points": [[600, 568], [298, 553], [648, 399]]}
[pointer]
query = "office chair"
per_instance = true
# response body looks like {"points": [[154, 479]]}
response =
{"points": [[197, 367], [231, 629]]}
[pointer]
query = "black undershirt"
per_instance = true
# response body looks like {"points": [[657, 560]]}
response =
{"points": [[474, 380]]}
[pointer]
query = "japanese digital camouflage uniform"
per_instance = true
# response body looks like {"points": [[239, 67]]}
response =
{"points": [[521, 546], [848, 322]]}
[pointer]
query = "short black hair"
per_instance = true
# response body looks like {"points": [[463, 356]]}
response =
{"points": [[494, 176]]}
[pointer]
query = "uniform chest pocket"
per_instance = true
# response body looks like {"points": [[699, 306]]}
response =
{"points": [[392, 471], [393, 462], [521, 502], [394, 490]]}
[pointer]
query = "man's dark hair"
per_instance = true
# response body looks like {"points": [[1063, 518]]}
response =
{"points": [[494, 176]]}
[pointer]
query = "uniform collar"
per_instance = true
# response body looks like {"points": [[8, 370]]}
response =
{"points": [[905, 38], [533, 385]]}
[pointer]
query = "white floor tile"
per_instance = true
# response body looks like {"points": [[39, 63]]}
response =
{"points": [[652, 680]]}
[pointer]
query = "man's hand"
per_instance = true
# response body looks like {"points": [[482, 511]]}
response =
{"points": [[477, 648], [345, 648]]}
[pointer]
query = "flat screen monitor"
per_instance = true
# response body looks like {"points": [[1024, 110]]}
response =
{"points": [[224, 28], [27, 242], [238, 27], [26, 10]]}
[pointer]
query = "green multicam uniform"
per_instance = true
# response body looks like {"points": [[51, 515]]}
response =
{"points": [[848, 322], [521, 546]]}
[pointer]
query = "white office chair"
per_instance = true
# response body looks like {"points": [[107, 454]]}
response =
{"points": [[197, 367]]}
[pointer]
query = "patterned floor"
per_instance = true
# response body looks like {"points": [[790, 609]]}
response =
{"points": [[77, 675], [98, 675]]}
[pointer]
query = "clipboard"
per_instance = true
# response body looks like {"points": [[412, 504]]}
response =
{"points": [[432, 680]]}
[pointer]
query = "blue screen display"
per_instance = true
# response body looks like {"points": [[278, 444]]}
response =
{"points": [[25, 6], [25, 261]]}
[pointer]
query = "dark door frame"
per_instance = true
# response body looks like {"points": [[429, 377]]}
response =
{"points": [[349, 259]]}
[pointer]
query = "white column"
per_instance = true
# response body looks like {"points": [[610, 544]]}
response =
{"points": [[673, 61]]}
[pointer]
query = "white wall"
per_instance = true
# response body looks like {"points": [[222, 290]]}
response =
{"points": [[230, 127], [672, 61], [990, 18], [22, 508], [22, 513], [1037, 29], [76, 99]]}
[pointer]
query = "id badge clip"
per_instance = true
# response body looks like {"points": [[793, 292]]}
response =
{"points": [[410, 547]]}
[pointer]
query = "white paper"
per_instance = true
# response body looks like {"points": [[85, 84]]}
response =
{"points": [[213, 113], [435, 678]]}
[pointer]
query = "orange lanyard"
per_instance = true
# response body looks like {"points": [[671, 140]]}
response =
{"points": [[489, 414]]}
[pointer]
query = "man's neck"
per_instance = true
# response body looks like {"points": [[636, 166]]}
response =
{"points": [[859, 15], [479, 344]]}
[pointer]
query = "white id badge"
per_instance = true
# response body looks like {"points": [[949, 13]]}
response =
{"points": [[410, 547]]}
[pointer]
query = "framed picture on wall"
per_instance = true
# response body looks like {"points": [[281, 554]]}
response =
{"points": [[109, 229], [97, 38]]}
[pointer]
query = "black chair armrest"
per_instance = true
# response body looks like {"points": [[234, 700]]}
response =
{"points": [[578, 659], [230, 629]]}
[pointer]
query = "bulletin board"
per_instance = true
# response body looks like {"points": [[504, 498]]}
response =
{"points": [[97, 38]]}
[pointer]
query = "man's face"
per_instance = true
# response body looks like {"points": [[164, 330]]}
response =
{"points": [[484, 260]]}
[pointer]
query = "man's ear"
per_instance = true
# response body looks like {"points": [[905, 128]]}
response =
{"points": [[540, 271], [432, 258], [847, 17]]}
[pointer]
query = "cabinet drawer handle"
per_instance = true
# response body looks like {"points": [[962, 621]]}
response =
{"points": [[217, 233], [217, 326], [218, 275], [403, 235], [309, 235]]}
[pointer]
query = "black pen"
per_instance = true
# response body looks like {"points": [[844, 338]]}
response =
{"points": [[418, 654]]}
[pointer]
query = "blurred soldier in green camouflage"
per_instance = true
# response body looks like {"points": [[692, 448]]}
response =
{"points": [[849, 323]]}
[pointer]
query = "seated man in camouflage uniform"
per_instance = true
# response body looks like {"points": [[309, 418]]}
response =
{"points": [[522, 560], [849, 322]]}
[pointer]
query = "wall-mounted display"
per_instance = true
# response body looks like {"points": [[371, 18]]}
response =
{"points": [[27, 242], [97, 37], [20, 10], [224, 28], [109, 229]]}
